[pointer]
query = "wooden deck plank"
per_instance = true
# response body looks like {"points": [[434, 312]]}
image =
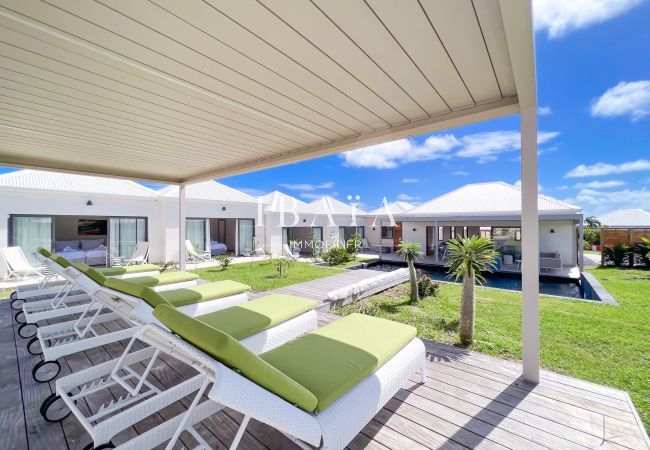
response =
{"points": [[468, 401]]}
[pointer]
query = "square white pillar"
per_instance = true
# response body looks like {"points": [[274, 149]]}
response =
{"points": [[182, 251], [529, 245]]}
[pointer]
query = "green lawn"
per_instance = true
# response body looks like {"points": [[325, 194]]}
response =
{"points": [[263, 276], [601, 343]]}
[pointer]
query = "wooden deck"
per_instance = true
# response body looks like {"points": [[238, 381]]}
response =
{"points": [[469, 401], [318, 289]]}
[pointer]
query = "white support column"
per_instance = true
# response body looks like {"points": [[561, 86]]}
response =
{"points": [[435, 241], [581, 244], [529, 245], [182, 251]]}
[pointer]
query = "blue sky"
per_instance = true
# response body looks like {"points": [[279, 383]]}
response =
{"points": [[594, 94]]}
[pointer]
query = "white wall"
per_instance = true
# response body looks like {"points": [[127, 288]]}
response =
{"points": [[563, 239], [57, 203]]}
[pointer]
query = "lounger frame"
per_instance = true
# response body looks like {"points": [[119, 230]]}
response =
{"points": [[141, 398]]}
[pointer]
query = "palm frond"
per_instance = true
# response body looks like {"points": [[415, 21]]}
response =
{"points": [[475, 253]]}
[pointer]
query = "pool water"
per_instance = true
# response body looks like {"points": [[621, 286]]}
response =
{"points": [[547, 285]]}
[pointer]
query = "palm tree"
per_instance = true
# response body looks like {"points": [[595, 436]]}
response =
{"points": [[468, 258], [410, 252], [592, 222]]}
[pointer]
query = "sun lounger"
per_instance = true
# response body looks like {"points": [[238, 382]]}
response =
{"points": [[259, 325], [320, 389], [194, 256], [140, 254], [46, 287], [17, 265], [289, 254], [132, 300]]}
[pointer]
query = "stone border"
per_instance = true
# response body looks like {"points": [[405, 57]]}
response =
{"points": [[589, 281]]}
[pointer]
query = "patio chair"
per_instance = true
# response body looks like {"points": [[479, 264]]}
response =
{"points": [[320, 389], [290, 254], [140, 254], [131, 300], [194, 256], [17, 265], [365, 247], [259, 326]]}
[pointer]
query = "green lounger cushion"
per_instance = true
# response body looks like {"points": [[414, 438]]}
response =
{"points": [[122, 270], [332, 360], [91, 273], [164, 278], [177, 297], [230, 352], [61, 261], [250, 318], [200, 293], [43, 251]]}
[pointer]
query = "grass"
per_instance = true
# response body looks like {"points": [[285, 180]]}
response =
{"points": [[601, 343], [592, 252], [263, 276]]}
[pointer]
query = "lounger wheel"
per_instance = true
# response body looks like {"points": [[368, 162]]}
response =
{"points": [[99, 447], [13, 295], [20, 317], [17, 303], [34, 346], [45, 371], [54, 409], [27, 330]]}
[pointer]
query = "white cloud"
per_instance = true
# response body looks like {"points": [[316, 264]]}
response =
{"points": [[316, 195], [410, 180], [460, 173], [480, 147], [391, 154], [407, 198], [253, 191], [599, 184], [487, 146], [600, 168], [308, 186], [599, 202], [560, 17], [625, 99], [544, 111], [517, 184]]}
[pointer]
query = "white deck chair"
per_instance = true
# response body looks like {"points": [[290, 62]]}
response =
{"points": [[332, 428], [65, 338], [193, 255], [46, 287], [140, 254], [288, 253], [17, 265], [141, 396]]}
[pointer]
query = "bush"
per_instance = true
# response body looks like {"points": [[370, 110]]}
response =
{"points": [[282, 265], [224, 261], [427, 287], [336, 256], [616, 254], [592, 235], [587, 245], [353, 244]]}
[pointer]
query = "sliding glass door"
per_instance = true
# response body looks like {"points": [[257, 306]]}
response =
{"points": [[125, 233], [31, 232], [246, 236], [195, 233]]}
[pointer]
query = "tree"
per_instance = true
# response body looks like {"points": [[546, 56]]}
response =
{"points": [[410, 252], [468, 258], [592, 222]]}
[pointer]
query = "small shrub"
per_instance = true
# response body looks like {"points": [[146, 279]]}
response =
{"points": [[282, 265], [616, 254], [169, 266], [368, 307], [353, 244], [268, 254], [336, 256], [587, 245], [592, 235], [224, 261], [427, 287]]}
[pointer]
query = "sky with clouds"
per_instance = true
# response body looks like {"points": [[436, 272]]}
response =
{"points": [[594, 126]]}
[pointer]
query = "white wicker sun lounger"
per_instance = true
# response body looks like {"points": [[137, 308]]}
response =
{"points": [[331, 428], [46, 287], [139, 396], [61, 339]]}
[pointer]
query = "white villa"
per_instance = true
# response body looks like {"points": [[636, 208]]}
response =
{"points": [[626, 218], [97, 217]]}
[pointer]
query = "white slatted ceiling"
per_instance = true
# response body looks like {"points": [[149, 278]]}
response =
{"points": [[168, 90]]}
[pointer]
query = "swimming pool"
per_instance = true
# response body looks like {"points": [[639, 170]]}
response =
{"points": [[548, 285]]}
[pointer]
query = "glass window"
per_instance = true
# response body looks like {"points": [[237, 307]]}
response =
{"points": [[125, 233], [507, 241], [246, 236], [31, 232], [387, 232], [195, 233]]}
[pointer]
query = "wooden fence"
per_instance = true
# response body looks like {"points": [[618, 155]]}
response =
{"points": [[609, 237]]}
